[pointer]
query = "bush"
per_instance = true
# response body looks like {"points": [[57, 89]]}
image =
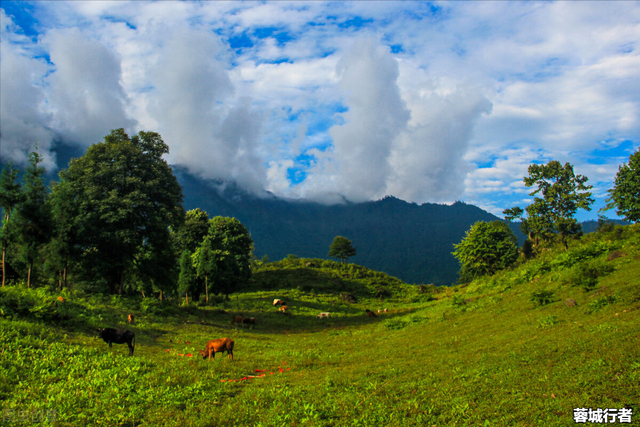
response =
{"points": [[541, 297], [601, 302], [458, 300], [547, 322], [587, 275], [394, 323], [34, 303]]}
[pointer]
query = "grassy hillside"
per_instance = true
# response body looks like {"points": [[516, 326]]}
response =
{"points": [[510, 350]]}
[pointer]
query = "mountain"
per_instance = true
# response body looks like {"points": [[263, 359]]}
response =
{"points": [[409, 241]]}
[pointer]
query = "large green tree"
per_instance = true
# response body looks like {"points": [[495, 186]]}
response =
{"points": [[563, 193], [230, 247], [64, 246], [33, 219], [486, 248], [127, 198], [625, 194], [10, 196], [342, 248]]}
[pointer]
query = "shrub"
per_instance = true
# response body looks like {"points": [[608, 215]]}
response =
{"points": [[34, 303], [394, 323], [541, 297], [547, 322], [601, 302], [587, 275], [458, 300]]}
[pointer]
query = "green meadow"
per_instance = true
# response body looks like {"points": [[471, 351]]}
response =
{"points": [[524, 347]]}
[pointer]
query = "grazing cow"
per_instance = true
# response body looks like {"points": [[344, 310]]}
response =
{"points": [[218, 346], [371, 313], [237, 319], [61, 299], [385, 310], [249, 321], [283, 308], [118, 336], [379, 311], [130, 318], [322, 315], [277, 302]]}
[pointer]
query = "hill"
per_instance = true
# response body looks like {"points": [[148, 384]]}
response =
{"points": [[409, 241], [529, 346]]}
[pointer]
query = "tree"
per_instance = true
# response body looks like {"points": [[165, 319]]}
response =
{"points": [[33, 217], [563, 193], [64, 243], [230, 245], [186, 279], [191, 233], [486, 248], [10, 197], [342, 248], [625, 194], [127, 198], [205, 262]]}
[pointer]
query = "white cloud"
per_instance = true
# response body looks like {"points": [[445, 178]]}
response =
{"points": [[86, 98], [22, 121], [469, 95], [190, 102]]}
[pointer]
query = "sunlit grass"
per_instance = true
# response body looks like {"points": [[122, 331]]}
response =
{"points": [[476, 355]]}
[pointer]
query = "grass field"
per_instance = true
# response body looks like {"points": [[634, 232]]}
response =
{"points": [[508, 350]]}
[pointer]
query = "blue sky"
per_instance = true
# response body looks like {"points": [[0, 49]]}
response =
{"points": [[425, 101]]}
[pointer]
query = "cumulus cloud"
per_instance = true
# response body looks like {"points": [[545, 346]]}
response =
{"points": [[190, 102], [86, 98], [376, 116], [427, 102], [428, 159], [22, 121]]}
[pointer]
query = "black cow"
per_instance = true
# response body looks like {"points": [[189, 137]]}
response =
{"points": [[118, 336]]}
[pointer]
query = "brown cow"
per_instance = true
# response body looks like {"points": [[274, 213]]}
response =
{"points": [[371, 313], [130, 318], [237, 319], [283, 308], [218, 346], [61, 299]]}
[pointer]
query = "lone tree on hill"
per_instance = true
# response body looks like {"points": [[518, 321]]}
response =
{"points": [[563, 193], [625, 194], [487, 248], [342, 248]]}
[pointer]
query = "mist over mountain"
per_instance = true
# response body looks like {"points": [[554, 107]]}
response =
{"points": [[406, 240], [410, 241]]}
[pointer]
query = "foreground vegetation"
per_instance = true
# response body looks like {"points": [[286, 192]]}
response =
{"points": [[507, 350]]}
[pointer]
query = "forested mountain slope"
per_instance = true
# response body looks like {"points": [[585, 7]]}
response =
{"points": [[409, 241]]}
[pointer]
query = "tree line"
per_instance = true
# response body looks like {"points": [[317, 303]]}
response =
{"points": [[559, 193], [114, 222]]}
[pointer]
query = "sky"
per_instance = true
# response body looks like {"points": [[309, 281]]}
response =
{"points": [[331, 101]]}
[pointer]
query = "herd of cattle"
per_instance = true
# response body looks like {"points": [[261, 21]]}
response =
{"points": [[220, 345]]}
